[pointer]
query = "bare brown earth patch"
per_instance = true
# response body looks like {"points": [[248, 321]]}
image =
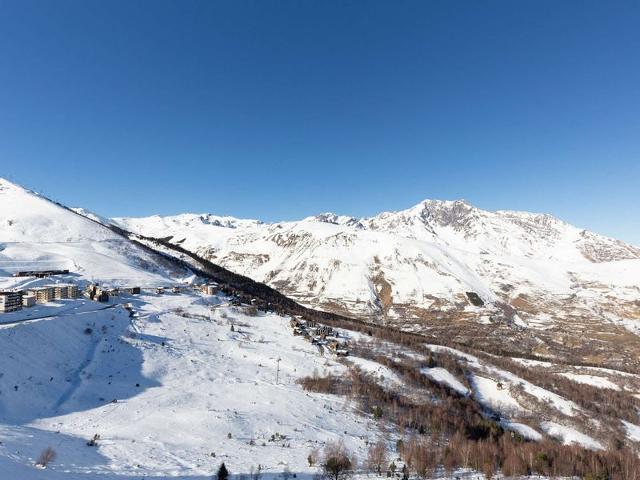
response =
{"points": [[384, 293], [525, 304]]}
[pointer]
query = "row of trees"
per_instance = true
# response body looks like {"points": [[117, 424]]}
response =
{"points": [[336, 462], [423, 457], [514, 457]]}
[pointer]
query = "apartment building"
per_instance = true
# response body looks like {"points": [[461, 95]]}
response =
{"points": [[10, 301], [43, 294]]}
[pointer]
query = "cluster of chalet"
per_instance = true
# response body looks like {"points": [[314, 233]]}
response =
{"points": [[209, 289], [174, 289], [102, 294], [214, 289], [12, 300], [322, 336], [99, 294]]}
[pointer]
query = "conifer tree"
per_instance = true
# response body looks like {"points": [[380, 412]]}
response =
{"points": [[223, 473]]}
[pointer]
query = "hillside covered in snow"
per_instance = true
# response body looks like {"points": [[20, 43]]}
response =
{"points": [[172, 392], [38, 234]]}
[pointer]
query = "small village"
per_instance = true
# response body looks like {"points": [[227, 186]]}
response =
{"points": [[15, 299], [322, 336]]}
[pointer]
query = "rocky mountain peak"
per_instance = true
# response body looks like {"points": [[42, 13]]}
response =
{"points": [[335, 219]]}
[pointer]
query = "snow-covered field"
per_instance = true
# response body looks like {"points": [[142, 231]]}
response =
{"points": [[166, 391], [570, 435], [594, 380], [384, 375], [444, 376]]}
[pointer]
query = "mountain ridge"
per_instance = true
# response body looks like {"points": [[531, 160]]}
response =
{"points": [[427, 209], [40, 233]]}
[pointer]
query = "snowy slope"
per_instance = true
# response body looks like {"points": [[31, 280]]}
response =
{"points": [[174, 391], [165, 392], [444, 376], [36, 233]]}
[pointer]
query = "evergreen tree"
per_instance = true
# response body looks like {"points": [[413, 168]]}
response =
{"points": [[405, 472], [223, 473]]}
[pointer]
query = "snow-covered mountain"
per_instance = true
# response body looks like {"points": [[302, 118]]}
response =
{"points": [[418, 266], [36, 233]]}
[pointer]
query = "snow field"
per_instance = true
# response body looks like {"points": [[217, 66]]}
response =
{"points": [[442, 375], [569, 435]]}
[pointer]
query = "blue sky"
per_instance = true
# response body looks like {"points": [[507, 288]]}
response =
{"points": [[283, 109]]}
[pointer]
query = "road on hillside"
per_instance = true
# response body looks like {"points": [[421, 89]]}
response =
{"points": [[65, 313]]}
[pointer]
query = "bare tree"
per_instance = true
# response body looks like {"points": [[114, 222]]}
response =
{"points": [[336, 463], [377, 457], [313, 457], [47, 456]]}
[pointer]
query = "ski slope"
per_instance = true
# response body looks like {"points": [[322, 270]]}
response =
{"points": [[165, 391]]}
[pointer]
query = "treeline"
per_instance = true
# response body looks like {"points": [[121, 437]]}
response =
{"points": [[511, 456]]}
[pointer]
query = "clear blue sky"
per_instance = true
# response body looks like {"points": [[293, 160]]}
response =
{"points": [[282, 109]]}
